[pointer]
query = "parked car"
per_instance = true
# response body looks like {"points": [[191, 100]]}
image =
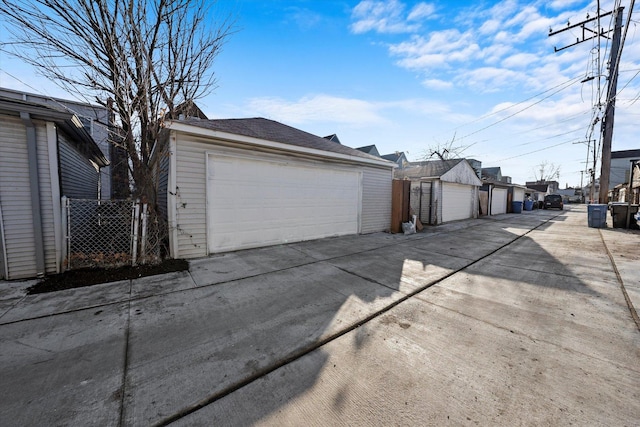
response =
{"points": [[553, 201]]}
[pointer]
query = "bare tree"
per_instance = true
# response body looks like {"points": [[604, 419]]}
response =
{"points": [[142, 58], [546, 172], [444, 151]]}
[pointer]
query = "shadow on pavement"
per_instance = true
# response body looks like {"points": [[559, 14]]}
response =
{"points": [[241, 316]]}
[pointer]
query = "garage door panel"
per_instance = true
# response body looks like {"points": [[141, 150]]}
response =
{"points": [[456, 201], [499, 201], [252, 203]]}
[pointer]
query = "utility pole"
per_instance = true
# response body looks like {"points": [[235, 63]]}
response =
{"points": [[607, 123]]}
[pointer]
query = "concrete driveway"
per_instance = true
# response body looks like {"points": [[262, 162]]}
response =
{"points": [[517, 319]]}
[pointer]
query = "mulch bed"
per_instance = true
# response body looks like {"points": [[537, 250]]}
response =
{"points": [[94, 276]]}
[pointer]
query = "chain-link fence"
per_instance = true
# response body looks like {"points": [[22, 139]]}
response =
{"points": [[110, 233]]}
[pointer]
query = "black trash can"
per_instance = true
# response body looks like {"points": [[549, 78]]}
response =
{"points": [[619, 215]]}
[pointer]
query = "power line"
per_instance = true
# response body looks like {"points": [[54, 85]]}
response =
{"points": [[536, 151], [568, 84]]}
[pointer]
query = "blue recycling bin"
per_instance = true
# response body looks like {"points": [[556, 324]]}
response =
{"points": [[597, 215], [516, 207], [528, 205]]}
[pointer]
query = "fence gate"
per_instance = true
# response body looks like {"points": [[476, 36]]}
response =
{"points": [[420, 200], [108, 233]]}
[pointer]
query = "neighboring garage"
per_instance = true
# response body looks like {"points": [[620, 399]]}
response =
{"points": [[442, 190], [498, 201], [499, 196], [244, 183], [456, 201]]}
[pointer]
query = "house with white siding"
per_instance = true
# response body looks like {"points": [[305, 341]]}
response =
{"points": [[244, 183], [45, 153]]}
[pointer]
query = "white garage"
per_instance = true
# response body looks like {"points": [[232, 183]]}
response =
{"points": [[255, 202], [498, 201], [442, 190], [245, 183], [457, 201]]}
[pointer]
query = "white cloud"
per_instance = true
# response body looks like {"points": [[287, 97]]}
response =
{"points": [[520, 60], [381, 17], [491, 79], [422, 11], [388, 16], [441, 48], [437, 84], [317, 108]]}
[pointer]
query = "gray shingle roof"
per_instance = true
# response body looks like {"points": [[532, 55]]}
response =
{"points": [[491, 171], [271, 130], [392, 157], [432, 168]]}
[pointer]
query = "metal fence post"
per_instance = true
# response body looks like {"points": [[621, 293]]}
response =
{"points": [[134, 235], [143, 241], [65, 234]]}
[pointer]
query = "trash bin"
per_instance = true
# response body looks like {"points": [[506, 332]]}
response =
{"points": [[619, 215], [597, 216], [528, 205], [516, 207]]}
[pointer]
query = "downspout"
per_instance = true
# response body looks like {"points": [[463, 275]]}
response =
{"points": [[34, 182]]}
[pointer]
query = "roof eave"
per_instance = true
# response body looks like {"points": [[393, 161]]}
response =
{"points": [[232, 137]]}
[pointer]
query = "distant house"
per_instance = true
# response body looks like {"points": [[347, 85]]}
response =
{"points": [[442, 190], [244, 183], [493, 173], [333, 138], [369, 149], [547, 187], [45, 153], [398, 158]]}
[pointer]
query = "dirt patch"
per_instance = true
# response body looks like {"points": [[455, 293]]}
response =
{"points": [[94, 276]]}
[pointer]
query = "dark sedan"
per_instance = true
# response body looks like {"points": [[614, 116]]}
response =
{"points": [[553, 201]]}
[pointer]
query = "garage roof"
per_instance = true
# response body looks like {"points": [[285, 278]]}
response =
{"points": [[270, 130]]}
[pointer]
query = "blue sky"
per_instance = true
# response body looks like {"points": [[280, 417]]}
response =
{"points": [[410, 75]]}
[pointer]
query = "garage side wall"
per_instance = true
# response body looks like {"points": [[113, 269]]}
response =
{"points": [[15, 196], [190, 196], [376, 199]]}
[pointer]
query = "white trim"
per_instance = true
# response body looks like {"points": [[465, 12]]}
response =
{"points": [[225, 136], [3, 246], [360, 191], [171, 197], [52, 145]]}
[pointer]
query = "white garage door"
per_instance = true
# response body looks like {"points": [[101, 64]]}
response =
{"points": [[456, 201], [499, 201], [253, 203]]}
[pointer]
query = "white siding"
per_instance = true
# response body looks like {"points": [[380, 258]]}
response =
{"points": [[46, 198], [191, 211], [15, 197], [376, 199], [518, 194]]}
